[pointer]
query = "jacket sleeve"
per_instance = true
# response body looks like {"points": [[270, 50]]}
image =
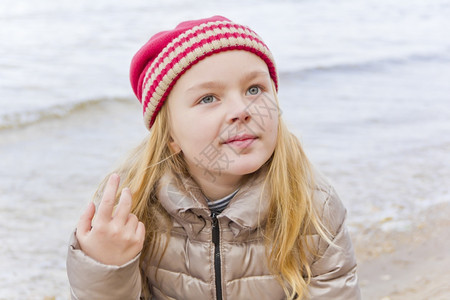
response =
{"points": [[334, 272], [90, 279]]}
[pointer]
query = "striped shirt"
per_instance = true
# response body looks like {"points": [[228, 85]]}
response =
{"points": [[218, 206]]}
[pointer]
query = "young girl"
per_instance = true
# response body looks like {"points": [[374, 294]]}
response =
{"points": [[220, 202]]}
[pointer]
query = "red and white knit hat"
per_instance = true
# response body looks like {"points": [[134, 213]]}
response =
{"points": [[157, 66]]}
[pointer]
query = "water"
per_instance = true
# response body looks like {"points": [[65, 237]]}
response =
{"points": [[364, 84]]}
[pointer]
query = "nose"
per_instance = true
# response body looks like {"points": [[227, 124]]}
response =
{"points": [[243, 116], [239, 110]]}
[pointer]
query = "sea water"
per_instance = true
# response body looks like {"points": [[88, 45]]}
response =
{"points": [[364, 84]]}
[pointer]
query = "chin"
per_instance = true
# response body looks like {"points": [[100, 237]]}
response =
{"points": [[245, 168]]}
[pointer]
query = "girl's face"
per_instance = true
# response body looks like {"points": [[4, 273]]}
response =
{"points": [[224, 117]]}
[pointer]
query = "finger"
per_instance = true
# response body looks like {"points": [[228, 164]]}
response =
{"points": [[106, 206], [132, 222], [124, 207], [84, 224], [140, 232]]}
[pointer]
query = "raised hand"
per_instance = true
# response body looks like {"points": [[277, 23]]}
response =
{"points": [[113, 239]]}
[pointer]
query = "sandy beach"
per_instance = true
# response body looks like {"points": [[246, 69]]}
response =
{"points": [[409, 265]]}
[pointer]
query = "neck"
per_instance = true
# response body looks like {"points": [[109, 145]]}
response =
{"points": [[218, 187]]}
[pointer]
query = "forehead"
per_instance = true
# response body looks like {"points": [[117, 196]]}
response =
{"points": [[233, 63]]}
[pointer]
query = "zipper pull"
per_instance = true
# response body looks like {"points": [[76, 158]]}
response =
{"points": [[215, 228], [214, 219]]}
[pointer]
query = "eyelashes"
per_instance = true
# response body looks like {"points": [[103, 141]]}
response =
{"points": [[253, 90], [208, 99]]}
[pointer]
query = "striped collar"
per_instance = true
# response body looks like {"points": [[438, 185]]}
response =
{"points": [[218, 206]]}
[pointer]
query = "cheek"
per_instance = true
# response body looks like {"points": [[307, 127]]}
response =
{"points": [[182, 126], [273, 136], [273, 128], [192, 135]]}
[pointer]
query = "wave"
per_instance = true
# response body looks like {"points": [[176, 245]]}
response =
{"points": [[27, 118], [367, 65]]}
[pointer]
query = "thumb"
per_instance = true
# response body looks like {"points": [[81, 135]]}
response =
{"points": [[84, 224]]}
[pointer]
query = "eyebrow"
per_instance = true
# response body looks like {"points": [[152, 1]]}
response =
{"points": [[206, 85], [220, 85]]}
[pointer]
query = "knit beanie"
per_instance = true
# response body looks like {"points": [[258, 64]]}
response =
{"points": [[158, 65]]}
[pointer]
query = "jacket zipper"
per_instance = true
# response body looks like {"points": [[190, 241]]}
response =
{"points": [[217, 263]]}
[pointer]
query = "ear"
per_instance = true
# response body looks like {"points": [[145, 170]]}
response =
{"points": [[174, 147]]}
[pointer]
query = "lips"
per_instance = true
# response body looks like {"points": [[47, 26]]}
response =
{"points": [[241, 141], [240, 138]]}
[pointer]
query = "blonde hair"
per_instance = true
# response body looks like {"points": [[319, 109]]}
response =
{"points": [[292, 219], [291, 216]]}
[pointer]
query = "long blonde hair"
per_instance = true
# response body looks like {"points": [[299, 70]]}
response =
{"points": [[291, 216]]}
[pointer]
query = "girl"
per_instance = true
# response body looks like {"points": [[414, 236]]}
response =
{"points": [[220, 202]]}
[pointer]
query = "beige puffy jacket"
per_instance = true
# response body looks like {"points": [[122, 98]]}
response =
{"points": [[225, 255]]}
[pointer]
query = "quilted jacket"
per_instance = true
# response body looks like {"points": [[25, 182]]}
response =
{"points": [[219, 257]]}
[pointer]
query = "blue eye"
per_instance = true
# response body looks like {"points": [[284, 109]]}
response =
{"points": [[208, 99], [254, 90]]}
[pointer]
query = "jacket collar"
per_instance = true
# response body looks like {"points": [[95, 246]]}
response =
{"points": [[184, 201]]}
